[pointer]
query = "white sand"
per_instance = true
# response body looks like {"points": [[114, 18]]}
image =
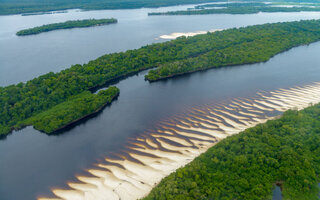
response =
{"points": [[187, 34]]}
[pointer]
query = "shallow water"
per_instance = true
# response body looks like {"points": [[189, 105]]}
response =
{"points": [[276, 194]]}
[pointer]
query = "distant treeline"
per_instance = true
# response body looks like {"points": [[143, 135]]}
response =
{"points": [[8, 7], [239, 46], [284, 152], [235, 9], [66, 25], [231, 4], [183, 55]]}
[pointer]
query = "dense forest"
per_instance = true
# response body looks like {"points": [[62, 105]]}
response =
{"points": [[236, 8], [75, 108], [284, 151], [66, 25], [233, 46], [241, 46]]}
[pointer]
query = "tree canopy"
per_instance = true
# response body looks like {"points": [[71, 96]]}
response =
{"points": [[239, 46]]}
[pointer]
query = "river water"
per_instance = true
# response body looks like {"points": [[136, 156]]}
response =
{"points": [[23, 58], [32, 163]]}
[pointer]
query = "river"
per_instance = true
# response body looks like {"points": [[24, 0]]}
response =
{"points": [[23, 58], [32, 163]]}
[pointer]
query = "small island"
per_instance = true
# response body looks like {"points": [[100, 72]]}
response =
{"points": [[66, 25]]}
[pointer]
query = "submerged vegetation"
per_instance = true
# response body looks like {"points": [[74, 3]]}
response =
{"points": [[240, 46], [66, 25], [284, 151], [234, 46]]}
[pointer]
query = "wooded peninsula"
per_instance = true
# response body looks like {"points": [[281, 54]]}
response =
{"points": [[66, 25], [77, 107], [239, 46], [252, 44], [248, 165]]}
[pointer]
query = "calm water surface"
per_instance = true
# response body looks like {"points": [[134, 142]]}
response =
{"points": [[31, 162], [23, 58]]}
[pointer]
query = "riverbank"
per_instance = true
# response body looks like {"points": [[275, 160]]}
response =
{"points": [[187, 34], [66, 25]]}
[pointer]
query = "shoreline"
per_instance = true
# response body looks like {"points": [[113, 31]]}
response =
{"points": [[175, 35]]}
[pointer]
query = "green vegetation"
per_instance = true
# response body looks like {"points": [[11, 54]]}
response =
{"points": [[239, 46], [74, 109], [234, 46], [236, 9], [284, 151], [66, 25], [8, 7]]}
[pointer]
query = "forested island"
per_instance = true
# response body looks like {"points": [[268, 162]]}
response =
{"points": [[233, 46], [239, 46], [66, 25], [237, 8], [283, 152]]}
